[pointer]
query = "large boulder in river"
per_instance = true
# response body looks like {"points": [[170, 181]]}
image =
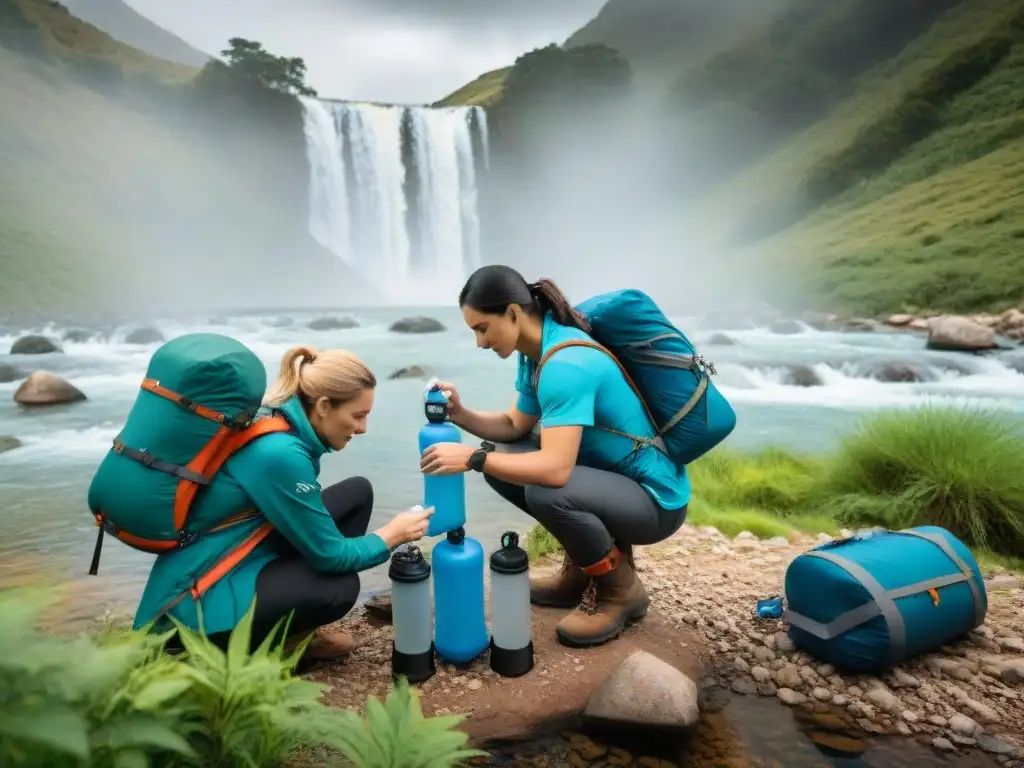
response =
{"points": [[412, 372], [959, 334], [145, 334], [9, 443], [419, 324], [45, 388], [34, 345], [9, 373], [332, 324]]}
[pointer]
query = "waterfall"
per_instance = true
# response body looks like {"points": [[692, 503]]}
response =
{"points": [[393, 193]]}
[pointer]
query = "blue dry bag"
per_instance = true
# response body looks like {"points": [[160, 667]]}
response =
{"points": [[689, 413], [876, 599]]}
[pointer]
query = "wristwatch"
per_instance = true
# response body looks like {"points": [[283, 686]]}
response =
{"points": [[479, 456]]}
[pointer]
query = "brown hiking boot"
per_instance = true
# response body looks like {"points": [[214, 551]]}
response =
{"points": [[615, 598], [326, 645], [561, 590]]}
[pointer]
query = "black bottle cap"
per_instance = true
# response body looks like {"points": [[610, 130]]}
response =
{"points": [[457, 536], [408, 565], [511, 558]]}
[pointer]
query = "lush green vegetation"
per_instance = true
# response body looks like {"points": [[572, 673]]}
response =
{"points": [[484, 91], [862, 156], [119, 701], [962, 470]]}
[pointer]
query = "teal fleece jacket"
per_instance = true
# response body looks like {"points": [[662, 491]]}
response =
{"points": [[277, 475]]}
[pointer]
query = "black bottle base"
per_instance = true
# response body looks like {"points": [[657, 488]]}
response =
{"points": [[415, 667], [511, 663]]}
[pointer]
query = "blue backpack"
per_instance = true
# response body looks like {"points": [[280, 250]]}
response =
{"points": [[674, 382]]}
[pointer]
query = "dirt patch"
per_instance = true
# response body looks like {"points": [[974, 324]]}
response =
{"points": [[548, 698]]}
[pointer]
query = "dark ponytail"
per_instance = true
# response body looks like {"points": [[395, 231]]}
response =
{"points": [[549, 298], [493, 288]]}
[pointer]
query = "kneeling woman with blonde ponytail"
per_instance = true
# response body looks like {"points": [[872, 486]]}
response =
{"points": [[309, 566]]}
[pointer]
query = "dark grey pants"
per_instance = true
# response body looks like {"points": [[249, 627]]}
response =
{"points": [[592, 511]]}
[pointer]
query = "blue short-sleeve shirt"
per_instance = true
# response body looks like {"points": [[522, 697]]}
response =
{"points": [[583, 387]]}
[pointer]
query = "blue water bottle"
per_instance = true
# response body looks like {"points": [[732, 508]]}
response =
{"points": [[460, 627], [445, 493]]}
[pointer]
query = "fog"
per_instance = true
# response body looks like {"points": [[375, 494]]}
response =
{"points": [[174, 213]]}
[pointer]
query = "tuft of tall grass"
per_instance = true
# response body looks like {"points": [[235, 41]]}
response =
{"points": [[958, 468], [772, 479]]}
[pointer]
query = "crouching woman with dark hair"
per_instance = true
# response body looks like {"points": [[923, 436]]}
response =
{"points": [[586, 482]]}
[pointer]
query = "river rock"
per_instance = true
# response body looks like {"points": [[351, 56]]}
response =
{"points": [[720, 340], [77, 335], [959, 334], [1013, 361], [859, 325], [418, 324], [899, 321], [963, 725], [412, 372], [802, 376], [9, 443], [34, 345], [145, 334], [790, 697], [645, 691], [9, 373], [785, 327], [45, 388], [332, 324], [897, 373]]}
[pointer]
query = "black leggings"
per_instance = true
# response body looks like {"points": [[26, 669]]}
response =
{"points": [[290, 583], [592, 511]]}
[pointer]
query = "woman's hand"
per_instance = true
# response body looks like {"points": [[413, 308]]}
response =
{"points": [[407, 526], [454, 401], [446, 459]]}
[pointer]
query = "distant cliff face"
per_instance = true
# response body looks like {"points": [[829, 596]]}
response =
{"points": [[124, 23]]}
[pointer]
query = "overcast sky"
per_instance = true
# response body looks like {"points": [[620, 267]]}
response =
{"points": [[379, 50]]}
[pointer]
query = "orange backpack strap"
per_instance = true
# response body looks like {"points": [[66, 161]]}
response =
{"points": [[222, 446], [638, 441]]}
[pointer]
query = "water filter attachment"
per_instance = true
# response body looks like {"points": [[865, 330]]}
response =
{"points": [[412, 654], [511, 619], [435, 404]]}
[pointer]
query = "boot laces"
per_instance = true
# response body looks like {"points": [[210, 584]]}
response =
{"points": [[588, 604]]}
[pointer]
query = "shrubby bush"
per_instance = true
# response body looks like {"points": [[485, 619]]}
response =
{"points": [[125, 703]]}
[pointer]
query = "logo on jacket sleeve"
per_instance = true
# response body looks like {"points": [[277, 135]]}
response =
{"points": [[306, 487]]}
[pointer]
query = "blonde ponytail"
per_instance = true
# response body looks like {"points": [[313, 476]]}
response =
{"points": [[333, 373]]}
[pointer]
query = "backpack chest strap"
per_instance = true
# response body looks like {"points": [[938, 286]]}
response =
{"points": [[638, 442]]}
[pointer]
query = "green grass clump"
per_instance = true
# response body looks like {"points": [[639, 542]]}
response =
{"points": [[960, 469], [119, 701]]}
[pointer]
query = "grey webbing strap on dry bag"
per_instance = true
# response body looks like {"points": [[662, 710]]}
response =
{"points": [[881, 603], [977, 595]]}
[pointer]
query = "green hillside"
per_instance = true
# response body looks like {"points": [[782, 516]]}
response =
{"points": [[129, 184], [862, 156]]}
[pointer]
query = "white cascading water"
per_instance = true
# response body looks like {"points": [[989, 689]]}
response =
{"points": [[413, 251]]}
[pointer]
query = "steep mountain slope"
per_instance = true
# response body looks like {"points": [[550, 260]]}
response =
{"points": [[126, 186], [858, 155], [124, 23]]}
